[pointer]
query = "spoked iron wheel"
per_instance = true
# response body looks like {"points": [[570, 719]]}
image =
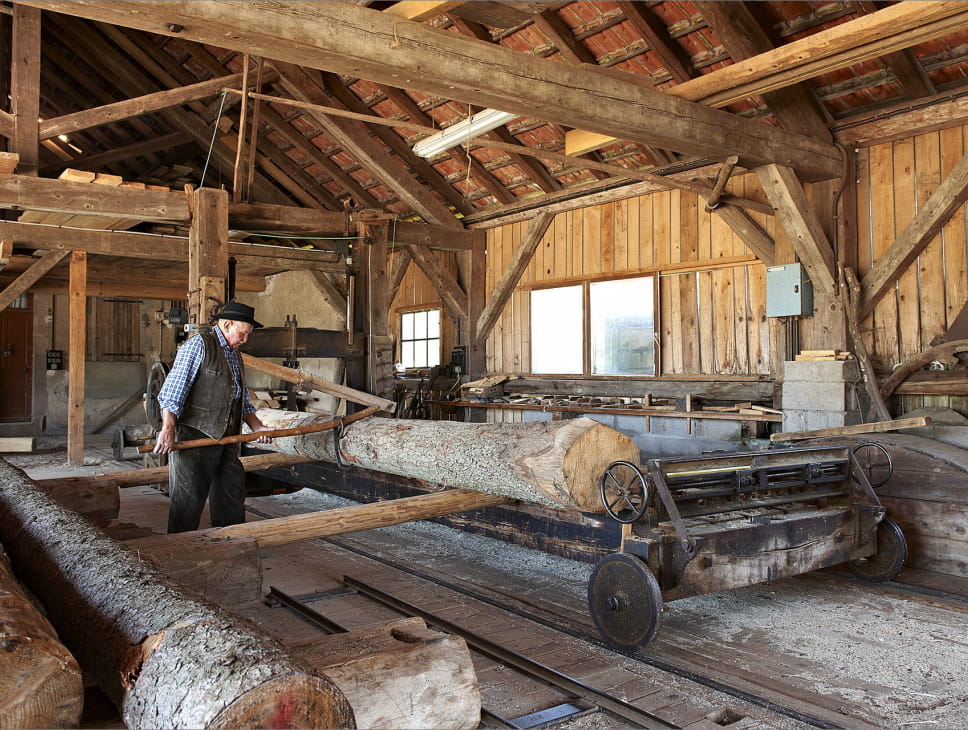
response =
{"points": [[156, 379], [625, 601], [875, 461], [888, 561], [624, 491]]}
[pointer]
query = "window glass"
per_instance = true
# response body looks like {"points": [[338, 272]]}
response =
{"points": [[622, 327], [556, 330], [420, 338]]}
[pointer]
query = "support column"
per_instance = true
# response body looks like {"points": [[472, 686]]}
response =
{"points": [[25, 87], [208, 253], [475, 285], [379, 339], [76, 352]]}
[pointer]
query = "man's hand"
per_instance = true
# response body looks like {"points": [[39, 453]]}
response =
{"points": [[263, 439], [166, 436]]}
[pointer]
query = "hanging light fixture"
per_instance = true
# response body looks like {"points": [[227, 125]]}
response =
{"points": [[461, 132]]}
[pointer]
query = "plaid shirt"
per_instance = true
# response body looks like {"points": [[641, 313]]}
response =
{"points": [[179, 381]]}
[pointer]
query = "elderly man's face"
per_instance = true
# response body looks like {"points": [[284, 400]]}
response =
{"points": [[236, 333]]}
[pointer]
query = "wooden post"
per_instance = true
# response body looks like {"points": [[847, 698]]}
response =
{"points": [[208, 253], [25, 87], [380, 345], [76, 353], [476, 299]]}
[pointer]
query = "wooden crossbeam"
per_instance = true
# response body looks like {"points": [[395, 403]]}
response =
{"points": [[27, 279], [451, 293]]}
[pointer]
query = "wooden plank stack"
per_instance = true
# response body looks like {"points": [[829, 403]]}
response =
{"points": [[824, 355]]}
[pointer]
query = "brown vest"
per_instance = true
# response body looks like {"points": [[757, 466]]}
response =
{"points": [[210, 405]]}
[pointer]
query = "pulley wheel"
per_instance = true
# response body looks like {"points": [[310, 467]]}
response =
{"points": [[888, 561], [625, 601], [156, 379], [875, 461], [624, 491]]}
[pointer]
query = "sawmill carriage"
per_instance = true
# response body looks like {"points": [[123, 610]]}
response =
{"points": [[711, 523]]}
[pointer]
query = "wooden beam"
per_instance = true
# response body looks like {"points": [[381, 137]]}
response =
{"points": [[451, 294], [752, 234], [305, 380], [76, 356], [515, 150], [57, 196], [267, 217], [366, 43], [301, 85], [800, 222], [30, 277], [656, 33], [314, 525], [7, 123], [896, 27], [421, 9], [436, 237], [109, 113], [25, 86], [401, 262], [877, 427], [208, 254], [520, 258], [925, 225], [329, 292]]}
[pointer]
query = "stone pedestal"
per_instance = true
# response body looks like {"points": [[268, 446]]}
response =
{"points": [[820, 394]]}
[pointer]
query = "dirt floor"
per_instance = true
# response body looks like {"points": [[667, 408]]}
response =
{"points": [[891, 658]]}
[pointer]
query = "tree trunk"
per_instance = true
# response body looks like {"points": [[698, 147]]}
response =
{"points": [[40, 682], [555, 463], [165, 658], [393, 675]]}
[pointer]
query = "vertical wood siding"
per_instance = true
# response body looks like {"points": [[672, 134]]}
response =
{"points": [[712, 312]]}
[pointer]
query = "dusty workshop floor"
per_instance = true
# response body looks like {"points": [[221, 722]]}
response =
{"points": [[889, 658]]}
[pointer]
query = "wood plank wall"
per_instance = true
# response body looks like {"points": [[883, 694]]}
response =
{"points": [[712, 310]]}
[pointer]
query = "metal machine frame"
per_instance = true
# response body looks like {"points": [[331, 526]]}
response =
{"points": [[706, 524]]}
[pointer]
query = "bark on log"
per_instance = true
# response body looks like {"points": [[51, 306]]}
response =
{"points": [[400, 675], [40, 681], [166, 658], [555, 463]]}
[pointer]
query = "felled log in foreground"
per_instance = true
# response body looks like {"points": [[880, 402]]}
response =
{"points": [[555, 463], [165, 658], [40, 682]]}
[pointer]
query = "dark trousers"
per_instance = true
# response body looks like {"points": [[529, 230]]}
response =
{"points": [[209, 472]]}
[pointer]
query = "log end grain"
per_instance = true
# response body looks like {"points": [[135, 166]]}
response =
{"points": [[294, 701], [40, 684], [590, 448]]}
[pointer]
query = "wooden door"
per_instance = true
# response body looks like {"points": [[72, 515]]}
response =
{"points": [[16, 361]]}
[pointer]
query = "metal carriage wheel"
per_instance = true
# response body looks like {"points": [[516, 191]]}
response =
{"points": [[889, 560], [625, 601], [875, 461]]}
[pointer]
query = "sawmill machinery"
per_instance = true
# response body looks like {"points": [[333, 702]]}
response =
{"points": [[706, 524]]}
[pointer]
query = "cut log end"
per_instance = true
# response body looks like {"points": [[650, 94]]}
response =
{"points": [[294, 701], [41, 684], [589, 451]]}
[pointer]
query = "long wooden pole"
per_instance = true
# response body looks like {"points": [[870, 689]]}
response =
{"points": [[274, 433], [158, 474], [324, 386], [313, 525]]}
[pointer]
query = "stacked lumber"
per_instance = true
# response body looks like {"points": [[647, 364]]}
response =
{"points": [[40, 681], [165, 657], [823, 355], [93, 220]]}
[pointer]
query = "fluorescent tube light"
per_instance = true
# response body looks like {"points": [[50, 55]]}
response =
{"points": [[461, 132]]}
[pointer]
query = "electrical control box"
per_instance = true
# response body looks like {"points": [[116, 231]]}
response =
{"points": [[789, 291]]}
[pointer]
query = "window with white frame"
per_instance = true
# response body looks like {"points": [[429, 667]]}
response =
{"points": [[620, 321], [622, 327], [420, 338], [556, 331]]}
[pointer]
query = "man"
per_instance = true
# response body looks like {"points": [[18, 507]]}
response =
{"points": [[203, 396]]}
